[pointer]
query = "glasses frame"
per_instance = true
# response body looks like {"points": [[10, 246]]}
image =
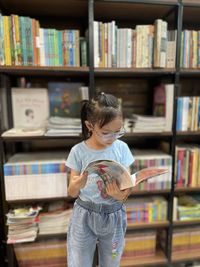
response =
{"points": [[113, 135]]}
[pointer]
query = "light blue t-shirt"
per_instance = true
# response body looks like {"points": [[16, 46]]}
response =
{"points": [[81, 155]]}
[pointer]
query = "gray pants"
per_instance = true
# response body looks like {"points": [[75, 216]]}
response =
{"points": [[87, 228]]}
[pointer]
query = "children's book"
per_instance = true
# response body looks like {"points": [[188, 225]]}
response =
{"points": [[110, 170], [30, 107], [65, 99]]}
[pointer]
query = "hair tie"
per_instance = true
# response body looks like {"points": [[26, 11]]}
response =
{"points": [[102, 93]]}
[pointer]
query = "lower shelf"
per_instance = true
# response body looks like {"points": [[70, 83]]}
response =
{"points": [[186, 256], [159, 258]]}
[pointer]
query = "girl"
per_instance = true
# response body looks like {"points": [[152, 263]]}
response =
{"points": [[99, 215]]}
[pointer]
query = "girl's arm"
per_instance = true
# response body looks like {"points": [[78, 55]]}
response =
{"points": [[76, 182]]}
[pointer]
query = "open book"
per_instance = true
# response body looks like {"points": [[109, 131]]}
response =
{"points": [[109, 170]]}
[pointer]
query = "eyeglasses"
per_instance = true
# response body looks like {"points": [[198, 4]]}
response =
{"points": [[108, 136]]}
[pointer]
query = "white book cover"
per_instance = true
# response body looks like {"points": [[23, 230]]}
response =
{"points": [[30, 107]]}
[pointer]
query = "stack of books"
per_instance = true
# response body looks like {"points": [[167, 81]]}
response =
{"points": [[148, 123], [22, 225], [59, 126]]}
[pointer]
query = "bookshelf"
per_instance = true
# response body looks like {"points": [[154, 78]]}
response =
{"points": [[81, 14]]}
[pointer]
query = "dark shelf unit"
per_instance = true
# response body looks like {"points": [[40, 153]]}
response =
{"points": [[145, 11]]}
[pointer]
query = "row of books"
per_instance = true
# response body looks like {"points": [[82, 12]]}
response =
{"points": [[139, 244], [36, 175], [146, 46], [184, 240], [146, 210], [190, 50], [187, 165], [188, 114], [186, 207], [51, 252], [44, 175], [25, 43], [153, 158]]}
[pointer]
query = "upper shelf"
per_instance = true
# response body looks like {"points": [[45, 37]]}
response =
{"points": [[35, 8]]}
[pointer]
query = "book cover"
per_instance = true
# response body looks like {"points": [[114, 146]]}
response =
{"points": [[30, 107], [64, 99], [109, 170]]}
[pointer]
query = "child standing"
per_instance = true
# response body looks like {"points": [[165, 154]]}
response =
{"points": [[99, 215]]}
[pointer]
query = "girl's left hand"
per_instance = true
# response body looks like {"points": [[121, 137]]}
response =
{"points": [[113, 190]]}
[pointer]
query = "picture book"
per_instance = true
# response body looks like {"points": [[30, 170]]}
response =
{"points": [[30, 107], [109, 170], [65, 100]]}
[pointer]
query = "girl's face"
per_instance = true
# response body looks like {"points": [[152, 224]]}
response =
{"points": [[106, 135]]}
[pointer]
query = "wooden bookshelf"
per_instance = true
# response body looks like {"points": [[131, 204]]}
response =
{"points": [[158, 258], [64, 14]]}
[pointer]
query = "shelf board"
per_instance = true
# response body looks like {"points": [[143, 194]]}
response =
{"points": [[159, 258], [39, 200], [128, 72], [190, 72], [39, 70], [194, 3], [49, 236], [136, 192], [78, 137], [141, 225], [187, 189], [186, 255], [44, 8], [188, 133], [186, 223]]}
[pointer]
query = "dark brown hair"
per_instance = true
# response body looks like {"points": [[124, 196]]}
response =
{"points": [[100, 110]]}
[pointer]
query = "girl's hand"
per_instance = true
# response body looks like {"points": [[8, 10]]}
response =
{"points": [[80, 180], [113, 190], [76, 183]]}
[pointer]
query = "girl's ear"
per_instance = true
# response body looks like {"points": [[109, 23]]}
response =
{"points": [[89, 126]]}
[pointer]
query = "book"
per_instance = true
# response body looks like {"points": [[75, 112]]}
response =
{"points": [[110, 170], [30, 107], [65, 99]]}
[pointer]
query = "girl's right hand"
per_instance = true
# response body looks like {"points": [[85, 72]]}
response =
{"points": [[76, 183], [80, 180]]}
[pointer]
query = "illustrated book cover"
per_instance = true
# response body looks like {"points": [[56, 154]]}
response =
{"points": [[65, 99], [109, 170], [30, 107]]}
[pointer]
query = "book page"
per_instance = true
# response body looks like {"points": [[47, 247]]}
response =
{"points": [[110, 170], [148, 173]]}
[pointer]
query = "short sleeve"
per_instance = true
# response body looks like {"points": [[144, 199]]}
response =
{"points": [[73, 161], [127, 156]]}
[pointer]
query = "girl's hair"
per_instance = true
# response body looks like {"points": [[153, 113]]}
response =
{"points": [[100, 110]]}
